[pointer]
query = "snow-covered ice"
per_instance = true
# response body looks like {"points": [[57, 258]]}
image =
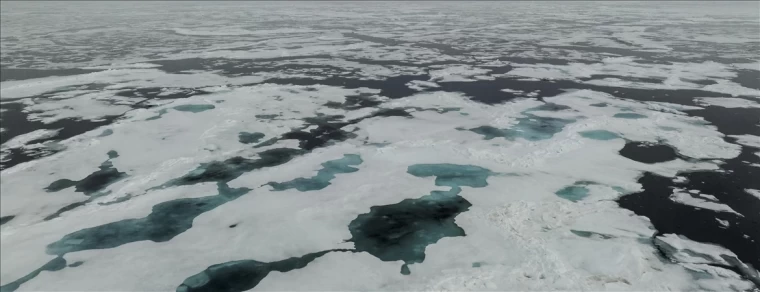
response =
{"points": [[379, 146]]}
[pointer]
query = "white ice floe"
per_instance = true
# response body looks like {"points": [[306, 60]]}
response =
{"points": [[456, 73], [698, 257], [753, 192], [747, 140], [687, 199], [117, 79], [421, 85], [21, 140], [727, 102]]}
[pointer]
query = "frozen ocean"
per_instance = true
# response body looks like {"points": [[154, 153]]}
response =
{"points": [[379, 146]]}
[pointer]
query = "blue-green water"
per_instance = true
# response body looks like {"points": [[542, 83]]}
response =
{"points": [[194, 108], [403, 230], [166, 220], [324, 175], [629, 116], [599, 135], [53, 265], [531, 127], [243, 275], [573, 193]]}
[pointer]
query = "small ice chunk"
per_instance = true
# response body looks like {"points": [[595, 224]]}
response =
{"points": [[686, 199]]}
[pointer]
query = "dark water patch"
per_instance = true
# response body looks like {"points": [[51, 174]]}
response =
{"points": [[419, 63], [159, 93], [392, 87], [386, 112], [445, 49], [324, 134], [601, 135], [677, 96], [194, 108], [441, 110], [498, 69], [748, 78], [403, 230], [7, 74], [166, 220], [189, 64], [741, 236], [76, 264], [601, 104], [477, 264], [704, 82], [92, 185], [731, 121], [354, 102], [66, 208], [244, 275], [328, 172], [611, 50], [6, 219], [329, 129], [645, 152], [248, 69], [16, 156], [490, 92], [589, 234], [631, 116], [548, 106], [16, 122], [531, 127], [94, 182], [250, 138], [550, 61], [53, 265], [622, 42], [230, 66], [267, 117], [227, 170]]}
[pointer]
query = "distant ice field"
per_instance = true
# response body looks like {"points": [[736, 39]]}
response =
{"points": [[379, 146]]}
